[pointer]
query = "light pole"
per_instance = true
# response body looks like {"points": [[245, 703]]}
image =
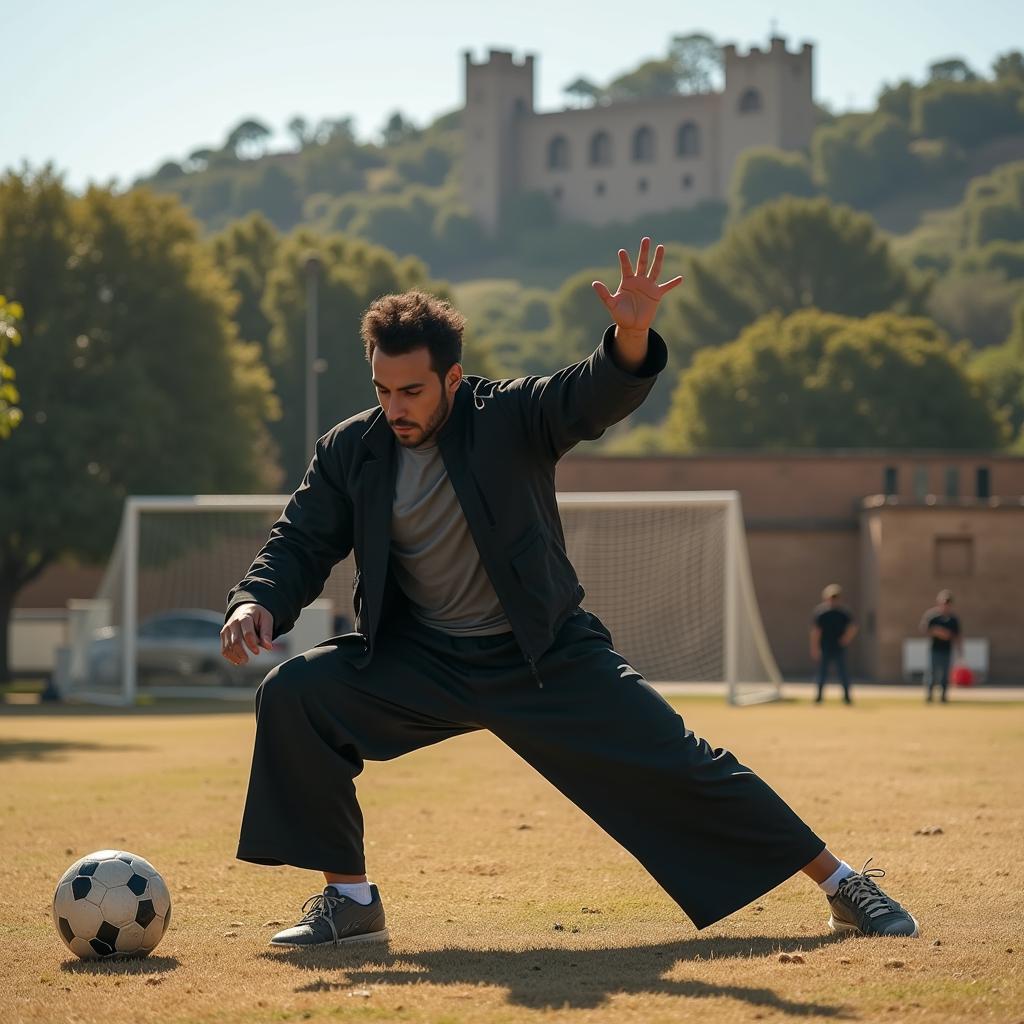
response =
{"points": [[312, 268]]}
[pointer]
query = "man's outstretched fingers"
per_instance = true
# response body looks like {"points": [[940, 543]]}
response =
{"points": [[659, 258], [641, 260], [602, 293], [669, 285], [266, 631], [625, 267], [248, 628]]}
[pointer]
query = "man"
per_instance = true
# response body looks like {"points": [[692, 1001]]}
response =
{"points": [[832, 629], [468, 617], [944, 629]]}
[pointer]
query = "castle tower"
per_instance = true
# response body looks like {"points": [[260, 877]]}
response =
{"points": [[498, 93], [767, 101]]}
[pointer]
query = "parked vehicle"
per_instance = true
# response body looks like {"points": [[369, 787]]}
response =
{"points": [[176, 647]]}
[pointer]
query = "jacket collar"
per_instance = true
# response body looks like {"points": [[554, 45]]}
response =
{"points": [[380, 438]]}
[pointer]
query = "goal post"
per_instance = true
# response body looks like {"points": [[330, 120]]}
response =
{"points": [[667, 571]]}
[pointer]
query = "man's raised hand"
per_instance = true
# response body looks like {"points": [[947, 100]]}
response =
{"points": [[636, 300], [249, 626]]}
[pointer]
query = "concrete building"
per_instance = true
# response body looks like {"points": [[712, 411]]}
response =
{"points": [[622, 160], [892, 529]]}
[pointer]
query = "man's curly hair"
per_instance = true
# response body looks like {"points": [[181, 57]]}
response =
{"points": [[397, 324]]}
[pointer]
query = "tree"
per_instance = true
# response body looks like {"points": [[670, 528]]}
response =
{"points": [[199, 159], [994, 206], [352, 274], [952, 69], [763, 174], [300, 130], [579, 318], [397, 129], [969, 113], [975, 306], [245, 253], [168, 171], [270, 189], [585, 92], [858, 159], [817, 380], [132, 378], [1002, 369], [698, 62], [330, 128], [10, 414], [1009, 65], [651, 79], [896, 100], [248, 139], [787, 255]]}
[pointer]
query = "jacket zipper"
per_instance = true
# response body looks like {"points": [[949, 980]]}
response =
{"points": [[534, 672], [483, 500]]}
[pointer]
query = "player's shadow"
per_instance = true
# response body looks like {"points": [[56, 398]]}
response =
{"points": [[53, 750], [122, 965], [553, 978]]}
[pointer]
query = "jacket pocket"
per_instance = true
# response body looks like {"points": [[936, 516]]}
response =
{"points": [[544, 571]]}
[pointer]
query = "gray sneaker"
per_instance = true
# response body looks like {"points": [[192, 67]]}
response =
{"points": [[859, 907], [332, 920]]}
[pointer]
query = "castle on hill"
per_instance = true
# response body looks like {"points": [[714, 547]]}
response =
{"points": [[621, 160]]}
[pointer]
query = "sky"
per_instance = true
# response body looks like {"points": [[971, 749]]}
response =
{"points": [[110, 89]]}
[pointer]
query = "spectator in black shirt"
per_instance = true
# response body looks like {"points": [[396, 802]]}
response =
{"points": [[832, 629], [944, 628]]}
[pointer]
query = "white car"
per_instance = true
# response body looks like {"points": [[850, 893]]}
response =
{"points": [[175, 647]]}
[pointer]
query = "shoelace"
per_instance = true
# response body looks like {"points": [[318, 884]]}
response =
{"points": [[861, 890], [321, 906]]}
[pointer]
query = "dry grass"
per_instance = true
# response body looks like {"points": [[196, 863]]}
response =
{"points": [[479, 860]]}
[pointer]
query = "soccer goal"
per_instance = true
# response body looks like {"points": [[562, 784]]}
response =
{"points": [[667, 572]]}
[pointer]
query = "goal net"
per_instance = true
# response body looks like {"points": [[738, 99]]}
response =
{"points": [[667, 572]]}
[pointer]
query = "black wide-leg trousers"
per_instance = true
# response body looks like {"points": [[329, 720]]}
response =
{"points": [[707, 828]]}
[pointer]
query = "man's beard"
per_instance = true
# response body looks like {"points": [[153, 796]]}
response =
{"points": [[434, 424]]}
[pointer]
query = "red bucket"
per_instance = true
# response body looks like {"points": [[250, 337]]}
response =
{"points": [[962, 676]]}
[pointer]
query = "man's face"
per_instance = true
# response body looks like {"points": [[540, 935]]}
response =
{"points": [[414, 399]]}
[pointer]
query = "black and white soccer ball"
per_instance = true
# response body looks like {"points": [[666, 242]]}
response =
{"points": [[111, 903]]}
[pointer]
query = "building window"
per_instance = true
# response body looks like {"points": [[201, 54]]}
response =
{"points": [[558, 153], [954, 556], [687, 181], [600, 149], [952, 482], [643, 144], [891, 481], [599, 189], [983, 481], [920, 483], [750, 101], [641, 185], [688, 140]]}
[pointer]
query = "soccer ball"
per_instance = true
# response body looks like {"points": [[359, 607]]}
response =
{"points": [[111, 903]]}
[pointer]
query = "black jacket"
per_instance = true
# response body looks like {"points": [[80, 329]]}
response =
{"points": [[499, 446]]}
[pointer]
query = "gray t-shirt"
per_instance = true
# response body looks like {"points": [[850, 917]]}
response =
{"points": [[433, 554]]}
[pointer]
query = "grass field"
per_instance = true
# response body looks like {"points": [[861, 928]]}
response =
{"points": [[505, 904]]}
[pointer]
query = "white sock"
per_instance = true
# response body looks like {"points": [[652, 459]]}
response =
{"points": [[358, 892], [831, 884]]}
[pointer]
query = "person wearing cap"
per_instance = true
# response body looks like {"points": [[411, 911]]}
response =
{"points": [[832, 629], [944, 629]]}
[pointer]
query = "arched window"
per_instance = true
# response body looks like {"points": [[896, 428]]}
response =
{"points": [[600, 149], [643, 144], [558, 153], [750, 101], [688, 140]]}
